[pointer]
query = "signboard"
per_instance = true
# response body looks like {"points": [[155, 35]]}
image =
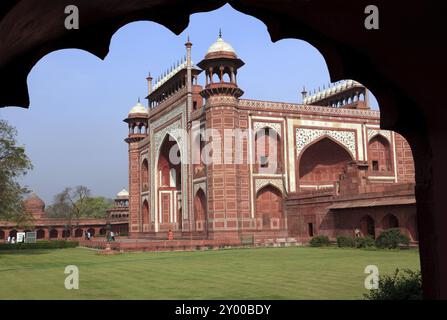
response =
{"points": [[31, 237], [20, 237]]}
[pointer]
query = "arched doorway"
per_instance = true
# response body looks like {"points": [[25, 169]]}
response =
{"points": [[92, 232], [368, 227], [78, 233], [322, 163], [145, 175], [268, 151], [390, 221], [2, 235], [40, 234], [66, 233], [200, 215], [13, 233], [199, 158], [145, 216], [53, 233], [169, 190], [269, 208], [102, 231], [379, 154]]}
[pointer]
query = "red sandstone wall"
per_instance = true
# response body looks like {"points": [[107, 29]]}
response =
{"points": [[243, 177], [348, 219], [227, 183], [404, 158], [134, 190], [310, 207]]}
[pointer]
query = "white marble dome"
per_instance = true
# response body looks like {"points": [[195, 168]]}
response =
{"points": [[123, 193], [138, 108], [221, 46]]}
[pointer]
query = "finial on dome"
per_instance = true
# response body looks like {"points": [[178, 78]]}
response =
{"points": [[139, 100], [220, 32]]}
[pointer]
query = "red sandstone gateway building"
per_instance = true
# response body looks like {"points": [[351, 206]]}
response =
{"points": [[325, 167]]}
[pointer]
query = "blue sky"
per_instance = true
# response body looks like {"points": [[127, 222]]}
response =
{"points": [[73, 131]]}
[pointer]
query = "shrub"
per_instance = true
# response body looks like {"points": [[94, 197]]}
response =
{"points": [[54, 244], [364, 242], [391, 239], [343, 241], [319, 241], [407, 286]]}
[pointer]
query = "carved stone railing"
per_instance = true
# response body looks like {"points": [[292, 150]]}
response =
{"points": [[304, 108], [168, 101]]}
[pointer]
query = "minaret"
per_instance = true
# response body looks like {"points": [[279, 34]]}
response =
{"points": [[230, 210], [137, 121], [149, 83], [188, 46]]}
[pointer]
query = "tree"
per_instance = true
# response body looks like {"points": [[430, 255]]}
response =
{"points": [[13, 164], [91, 207], [70, 204], [96, 207]]}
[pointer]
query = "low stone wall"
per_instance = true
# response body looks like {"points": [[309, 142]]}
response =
{"points": [[183, 245], [160, 245]]}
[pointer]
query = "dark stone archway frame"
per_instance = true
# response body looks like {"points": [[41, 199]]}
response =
{"points": [[402, 63]]}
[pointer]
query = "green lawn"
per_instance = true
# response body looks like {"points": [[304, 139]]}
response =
{"points": [[264, 273]]}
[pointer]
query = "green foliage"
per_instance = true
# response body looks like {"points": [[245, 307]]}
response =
{"points": [[406, 286], [355, 242], [54, 244], [76, 203], [96, 207], [364, 242], [319, 241], [13, 164], [391, 239], [343, 242]]}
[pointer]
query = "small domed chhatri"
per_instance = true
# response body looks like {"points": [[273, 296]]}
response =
{"points": [[221, 65], [137, 122]]}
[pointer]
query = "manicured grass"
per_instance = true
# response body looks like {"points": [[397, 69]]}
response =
{"points": [[264, 273]]}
